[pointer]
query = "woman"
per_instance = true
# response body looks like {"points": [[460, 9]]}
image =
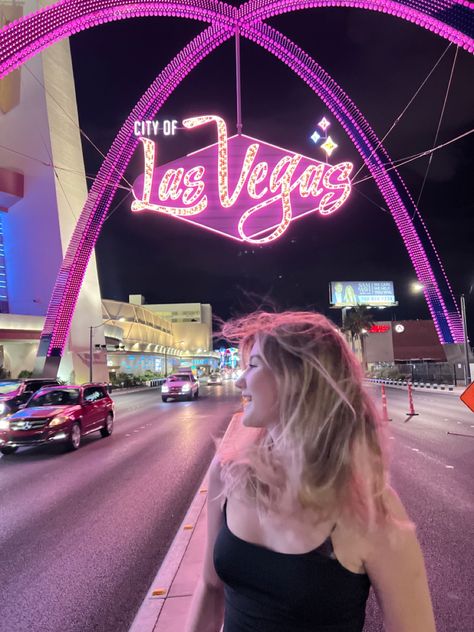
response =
{"points": [[301, 519]]}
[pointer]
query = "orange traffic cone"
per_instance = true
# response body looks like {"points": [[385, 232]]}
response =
{"points": [[385, 416], [411, 405]]}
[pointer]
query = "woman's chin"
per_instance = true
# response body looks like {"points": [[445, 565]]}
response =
{"points": [[247, 417]]}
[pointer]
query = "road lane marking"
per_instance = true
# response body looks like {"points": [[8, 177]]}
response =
{"points": [[449, 467], [415, 449]]}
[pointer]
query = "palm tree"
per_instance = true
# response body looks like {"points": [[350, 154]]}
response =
{"points": [[357, 323]]}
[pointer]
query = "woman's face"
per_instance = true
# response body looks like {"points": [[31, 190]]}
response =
{"points": [[260, 391]]}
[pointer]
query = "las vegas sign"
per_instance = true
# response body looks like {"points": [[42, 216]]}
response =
{"points": [[240, 187]]}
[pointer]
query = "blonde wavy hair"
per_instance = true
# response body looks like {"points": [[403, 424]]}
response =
{"points": [[328, 457]]}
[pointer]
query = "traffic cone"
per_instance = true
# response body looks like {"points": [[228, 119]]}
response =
{"points": [[385, 416], [411, 405]]}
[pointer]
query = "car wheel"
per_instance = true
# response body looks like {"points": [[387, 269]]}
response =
{"points": [[165, 399], [196, 394], [107, 430], [190, 397], [74, 437], [8, 450]]}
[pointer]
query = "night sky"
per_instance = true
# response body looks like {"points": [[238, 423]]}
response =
{"points": [[380, 61]]}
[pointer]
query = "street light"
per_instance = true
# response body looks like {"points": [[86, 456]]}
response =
{"points": [[91, 328], [416, 287]]}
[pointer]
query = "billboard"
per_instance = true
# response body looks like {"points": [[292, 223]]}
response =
{"points": [[354, 293]]}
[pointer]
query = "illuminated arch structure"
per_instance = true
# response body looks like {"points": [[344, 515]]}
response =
{"points": [[451, 19]]}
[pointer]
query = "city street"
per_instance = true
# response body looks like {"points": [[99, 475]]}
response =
{"points": [[82, 534]]}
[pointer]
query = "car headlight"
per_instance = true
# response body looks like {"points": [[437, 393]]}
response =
{"points": [[5, 424], [164, 388], [185, 388], [3, 408], [57, 421]]}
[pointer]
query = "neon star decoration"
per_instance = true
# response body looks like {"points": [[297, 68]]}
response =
{"points": [[324, 124], [329, 146], [24, 38], [240, 187]]}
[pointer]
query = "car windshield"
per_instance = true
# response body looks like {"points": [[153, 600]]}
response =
{"points": [[58, 397], [9, 387], [182, 377]]}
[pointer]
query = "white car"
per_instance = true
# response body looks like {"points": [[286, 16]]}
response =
{"points": [[215, 378], [180, 386]]}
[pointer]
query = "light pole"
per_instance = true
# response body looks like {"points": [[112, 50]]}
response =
{"points": [[467, 374], [91, 328], [418, 287]]}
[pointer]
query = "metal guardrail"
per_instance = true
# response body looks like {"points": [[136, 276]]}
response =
{"points": [[158, 382], [441, 387]]}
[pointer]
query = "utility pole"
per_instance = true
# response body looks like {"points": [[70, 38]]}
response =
{"points": [[467, 372], [90, 353]]}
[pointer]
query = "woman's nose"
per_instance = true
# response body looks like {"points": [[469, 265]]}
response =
{"points": [[240, 381]]}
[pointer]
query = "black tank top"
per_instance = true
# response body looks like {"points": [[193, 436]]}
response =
{"points": [[266, 591]]}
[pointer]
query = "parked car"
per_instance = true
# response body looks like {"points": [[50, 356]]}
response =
{"points": [[215, 378], [180, 386], [15, 393], [59, 414]]}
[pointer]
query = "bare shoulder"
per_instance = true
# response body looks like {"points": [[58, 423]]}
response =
{"points": [[215, 482]]}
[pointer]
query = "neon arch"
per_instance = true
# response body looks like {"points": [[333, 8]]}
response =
{"points": [[27, 36], [451, 19], [446, 317], [450, 327]]}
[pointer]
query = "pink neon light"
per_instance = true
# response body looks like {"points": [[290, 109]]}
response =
{"points": [[240, 186], [25, 38]]}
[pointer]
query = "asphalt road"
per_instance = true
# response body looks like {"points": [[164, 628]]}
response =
{"points": [[82, 534], [433, 472]]}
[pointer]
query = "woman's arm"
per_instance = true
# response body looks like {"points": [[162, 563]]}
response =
{"points": [[394, 563], [207, 606]]}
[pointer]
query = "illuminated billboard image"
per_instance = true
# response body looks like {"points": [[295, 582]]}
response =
{"points": [[354, 293]]}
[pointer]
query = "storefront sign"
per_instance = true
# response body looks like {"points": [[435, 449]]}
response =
{"points": [[379, 329], [240, 187]]}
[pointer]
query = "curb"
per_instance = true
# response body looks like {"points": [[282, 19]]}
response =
{"points": [[150, 610]]}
